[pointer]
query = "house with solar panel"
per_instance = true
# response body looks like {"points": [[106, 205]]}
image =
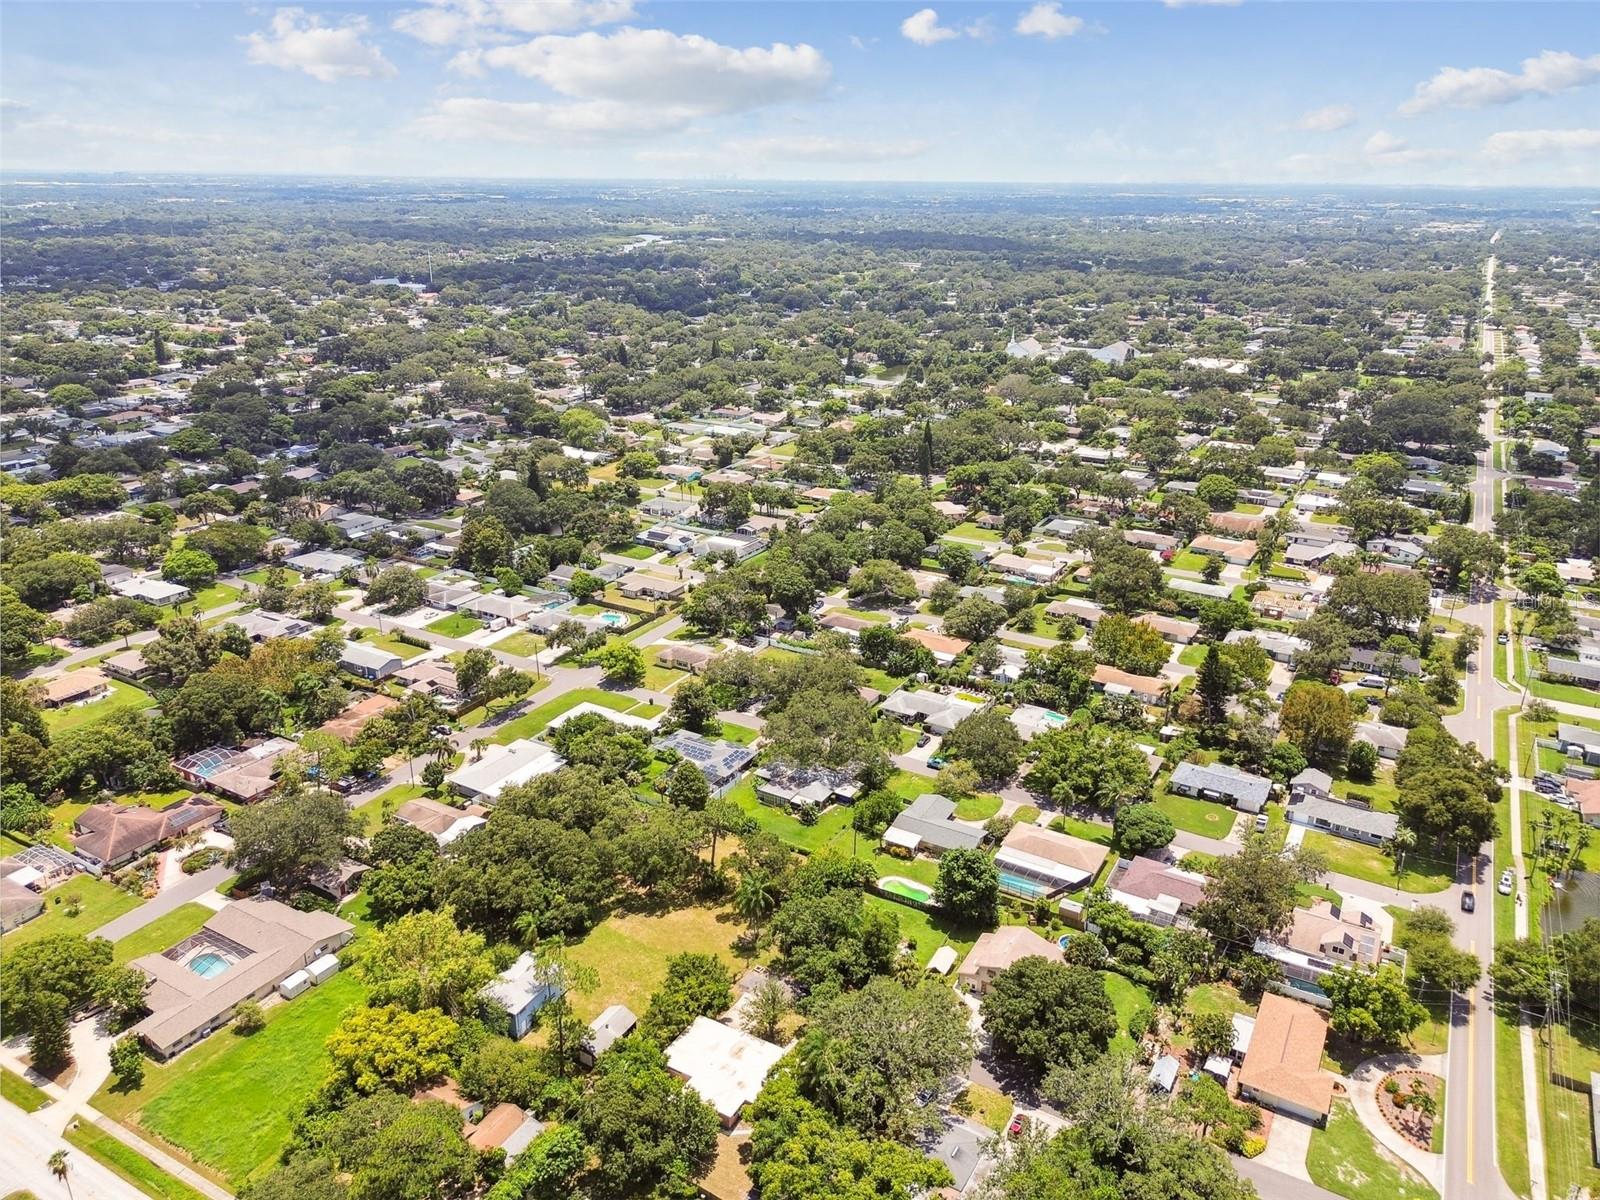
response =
{"points": [[720, 762]]}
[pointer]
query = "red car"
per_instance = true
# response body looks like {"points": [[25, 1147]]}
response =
{"points": [[1018, 1126]]}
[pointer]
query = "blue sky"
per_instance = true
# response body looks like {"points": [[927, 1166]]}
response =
{"points": [[1179, 91]]}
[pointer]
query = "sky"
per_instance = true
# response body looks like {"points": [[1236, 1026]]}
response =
{"points": [[1203, 91]]}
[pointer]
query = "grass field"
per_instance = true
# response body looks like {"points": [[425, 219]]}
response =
{"points": [[1196, 816], [123, 695], [371, 813], [1346, 1160], [1126, 996], [629, 953], [534, 721], [1370, 863], [229, 1101], [987, 1107], [925, 932], [162, 933], [456, 625], [19, 1091], [215, 596], [977, 808], [810, 838], [972, 533], [101, 901], [128, 1164], [526, 644], [1565, 1110]]}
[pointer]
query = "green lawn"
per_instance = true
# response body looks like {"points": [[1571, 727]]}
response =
{"points": [[739, 735], [525, 644], [533, 722], [1569, 1167], [1345, 1159], [101, 901], [1370, 863], [229, 1101], [1126, 996], [636, 552], [123, 695], [162, 933], [393, 644], [972, 533], [215, 596], [19, 1091], [1193, 655], [629, 953], [371, 814], [128, 1164], [881, 681], [809, 838], [456, 625], [977, 808], [1510, 1119], [925, 932], [1380, 794], [1089, 831], [259, 576], [1197, 816]]}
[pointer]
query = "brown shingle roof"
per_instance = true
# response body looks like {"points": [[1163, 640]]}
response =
{"points": [[1285, 1056]]}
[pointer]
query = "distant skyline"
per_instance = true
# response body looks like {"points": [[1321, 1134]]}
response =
{"points": [[1195, 91]]}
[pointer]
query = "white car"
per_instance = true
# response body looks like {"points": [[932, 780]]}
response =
{"points": [[1508, 882]]}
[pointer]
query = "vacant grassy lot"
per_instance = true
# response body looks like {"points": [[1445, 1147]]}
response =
{"points": [[162, 933], [1568, 1162], [1196, 816], [533, 722], [629, 953], [391, 643], [123, 695], [100, 902], [1345, 1160], [127, 1163], [456, 625], [988, 1107], [791, 830], [1370, 863], [526, 644], [229, 1101]]}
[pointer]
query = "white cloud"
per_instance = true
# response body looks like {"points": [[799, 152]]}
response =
{"points": [[923, 28], [1519, 145], [455, 22], [1385, 150], [298, 41], [822, 148], [472, 119], [1202, 3], [667, 72], [1477, 87], [1046, 20], [1327, 119]]}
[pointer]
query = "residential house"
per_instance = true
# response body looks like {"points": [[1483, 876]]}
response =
{"points": [[1282, 1069], [613, 1024], [664, 537], [433, 677], [83, 686], [928, 826], [260, 625], [1216, 781], [1280, 647], [999, 949], [503, 766], [1036, 863], [323, 564], [241, 953], [1031, 720], [720, 762], [1578, 741], [1173, 629], [439, 821], [938, 712], [1232, 550], [1376, 662], [1325, 936], [789, 786], [352, 720], [683, 656], [519, 992], [723, 1066], [1041, 571], [108, 835], [366, 661], [1154, 891], [1147, 689], [1387, 740], [945, 649], [242, 773], [151, 590], [647, 585], [1356, 822], [128, 665]]}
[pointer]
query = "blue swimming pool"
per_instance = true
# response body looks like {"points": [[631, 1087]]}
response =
{"points": [[208, 965], [1018, 886], [613, 619]]}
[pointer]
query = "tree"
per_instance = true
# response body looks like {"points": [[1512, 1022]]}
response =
{"points": [[969, 887], [1371, 1005], [1467, 554], [1214, 686], [315, 601], [1317, 718], [693, 707], [248, 1018], [287, 839], [697, 985], [127, 1063], [391, 1047], [1141, 828], [584, 586], [195, 569], [1048, 1014], [1085, 764], [989, 741], [1252, 894], [423, 960], [688, 788], [974, 619], [1523, 974], [645, 1127], [59, 1165], [1218, 492], [1210, 1033], [1129, 645], [1446, 806], [799, 1153], [622, 664], [547, 1168], [121, 991], [49, 1034], [1362, 762], [397, 589], [882, 581], [767, 1005], [871, 1057]]}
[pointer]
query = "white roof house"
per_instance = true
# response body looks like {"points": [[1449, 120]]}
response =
{"points": [[151, 590], [724, 1066], [504, 766]]}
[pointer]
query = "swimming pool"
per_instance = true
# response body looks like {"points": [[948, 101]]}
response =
{"points": [[208, 965], [906, 889], [1018, 886], [612, 619]]}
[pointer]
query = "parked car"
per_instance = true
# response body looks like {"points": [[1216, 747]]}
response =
{"points": [[1502, 637], [1508, 882], [1018, 1126], [1469, 902], [925, 739], [1374, 681], [1261, 822], [935, 761]]}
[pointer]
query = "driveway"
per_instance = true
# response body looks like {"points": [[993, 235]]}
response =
{"points": [[1286, 1148], [190, 887], [1363, 1088]]}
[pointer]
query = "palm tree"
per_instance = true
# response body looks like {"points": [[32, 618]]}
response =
{"points": [[755, 897], [59, 1166]]}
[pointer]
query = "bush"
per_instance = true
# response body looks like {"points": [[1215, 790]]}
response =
{"points": [[1252, 1146], [1141, 1020], [201, 859], [248, 1018]]}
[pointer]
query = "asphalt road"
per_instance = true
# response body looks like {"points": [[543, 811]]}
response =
{"points": [[25, 1150]]}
